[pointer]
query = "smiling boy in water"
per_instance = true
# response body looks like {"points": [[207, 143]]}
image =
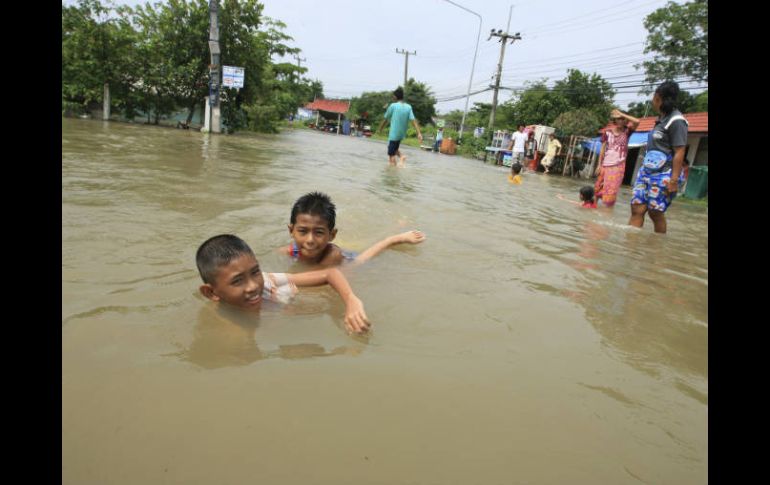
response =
{"points": [[311, 226], [231, 275]]}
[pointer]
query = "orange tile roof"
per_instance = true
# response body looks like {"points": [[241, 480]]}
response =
{"points": [[698, 123], [331, 105]]}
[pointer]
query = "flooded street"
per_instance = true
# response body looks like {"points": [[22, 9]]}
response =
{"points": [[525, 341]]}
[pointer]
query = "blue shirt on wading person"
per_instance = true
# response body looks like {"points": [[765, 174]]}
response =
{"points": [[399, 114]]}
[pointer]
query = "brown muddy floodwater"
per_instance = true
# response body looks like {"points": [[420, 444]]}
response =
{"points": [[526, 341]]}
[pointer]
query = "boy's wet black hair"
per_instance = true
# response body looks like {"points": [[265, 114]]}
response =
{"points": [[216, 252], [399, 93], [516, 167], [587, 193], [668, 92], [315, 204]]}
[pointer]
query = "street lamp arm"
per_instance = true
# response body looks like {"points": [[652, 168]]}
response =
{"points": [[473, 66]]}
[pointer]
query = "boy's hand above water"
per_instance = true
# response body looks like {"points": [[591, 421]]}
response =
{"points": [[356, 320], [411, 237]]}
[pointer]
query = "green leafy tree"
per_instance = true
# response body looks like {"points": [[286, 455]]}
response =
{"points": [[640, 109], [702, 102], [174, 54], [453, 119], [581, 122], [245, 42], [276, 89], [371, 105], [155, 58], [478, 115], [678, 36], [584, 91], [423, 103], [686, 103], [535, 105], [315, 90], [96, 48]]}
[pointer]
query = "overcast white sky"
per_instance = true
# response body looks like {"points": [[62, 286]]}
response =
{"points": [[351, 45]]}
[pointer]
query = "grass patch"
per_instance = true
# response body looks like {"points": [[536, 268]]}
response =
{"points": [[704, 202]]}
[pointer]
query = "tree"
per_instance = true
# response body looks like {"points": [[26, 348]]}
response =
{"points": [[702, 102], [423, 103], [581, 122], [678, 35], [478, 115], [371, 105], [686, 103], [314, 89], [175, 54], [95, 51], [584, 91], [641, 109], [155, 57], [538, 104], [535, 105]]}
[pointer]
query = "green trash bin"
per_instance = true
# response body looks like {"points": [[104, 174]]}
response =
{"points": [[697, 182]]}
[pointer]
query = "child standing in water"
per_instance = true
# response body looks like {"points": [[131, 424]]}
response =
{"points": [[515, 176]]}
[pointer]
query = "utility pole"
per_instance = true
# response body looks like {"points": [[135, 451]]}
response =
{"points": [[406, 64], [212, 107], [298, 65], [504, 37]]}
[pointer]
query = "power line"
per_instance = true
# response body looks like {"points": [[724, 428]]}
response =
{"points": [[591, 21], [602, 57], [586, 26], [461, 96], [537, 27]]}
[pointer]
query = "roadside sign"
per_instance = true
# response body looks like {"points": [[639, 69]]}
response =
{"points": [[232, 77]]}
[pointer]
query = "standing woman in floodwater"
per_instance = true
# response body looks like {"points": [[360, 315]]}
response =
{"points": [[660, 176], [612, 159]]}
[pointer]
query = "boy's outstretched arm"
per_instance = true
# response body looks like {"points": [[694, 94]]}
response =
{"points": [[412, 237], [561, 197], [379, 129], [355, 316]]}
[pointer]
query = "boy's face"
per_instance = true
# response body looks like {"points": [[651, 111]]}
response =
{"points": [[312, 235], [238, 283]]}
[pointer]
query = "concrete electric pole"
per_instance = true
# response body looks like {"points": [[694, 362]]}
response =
{"points": [[213, 117], [504, 37], [299, 65], [406, 64]]}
